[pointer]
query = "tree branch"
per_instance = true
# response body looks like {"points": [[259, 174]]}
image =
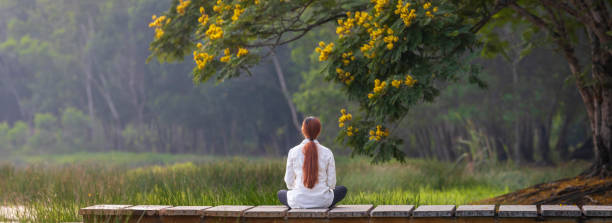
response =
{"points": [[596, 19], [561, 40], [565, 7], [302, 31], [537, 21], [499, 5]]}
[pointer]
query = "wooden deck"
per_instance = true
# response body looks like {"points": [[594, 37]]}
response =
{"points": [[349, 214]]}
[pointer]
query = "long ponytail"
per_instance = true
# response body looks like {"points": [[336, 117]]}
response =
{"points": [[311, 127]]}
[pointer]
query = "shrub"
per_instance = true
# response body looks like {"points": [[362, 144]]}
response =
{"points": [[75, 129]]}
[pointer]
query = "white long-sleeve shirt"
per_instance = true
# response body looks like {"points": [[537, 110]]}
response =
{"points": [[321, 195]]}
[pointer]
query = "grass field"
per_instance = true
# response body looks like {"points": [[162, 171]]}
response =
{"points": [[53, 188]]}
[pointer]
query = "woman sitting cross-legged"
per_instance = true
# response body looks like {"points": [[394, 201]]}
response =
{"points": [[311, 172]]}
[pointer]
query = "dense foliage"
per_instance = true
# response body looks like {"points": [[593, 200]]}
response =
{"points": [[386, 74], [389, 55]]}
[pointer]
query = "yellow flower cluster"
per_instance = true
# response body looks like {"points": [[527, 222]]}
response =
{"points": [[214, 32], [428, 13], [379, 87], [159, 32], [227, 56], [365, 49], [324, 50], [345, 117], [375, 33], [256, 2], [180, 8], [379, 133], [346, 57], [359, 18], [238, 10], [390, 39], [396, 83], [363, 18], [202, 59], [344, 76], [406, 14], [220, 7], [203, 18], [344, 27], [158, 22], [410, 81], [242, 52], [350, 131], [378, 6]]}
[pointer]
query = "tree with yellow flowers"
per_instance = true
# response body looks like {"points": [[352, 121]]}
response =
{"points": [[389, 55]]}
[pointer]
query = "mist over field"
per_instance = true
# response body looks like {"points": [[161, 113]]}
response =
{"points": [[75, 79]]}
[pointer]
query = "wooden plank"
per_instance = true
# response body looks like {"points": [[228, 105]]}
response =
{"points": [[598, 220], [308, 213], [560, 211], [103, 209], [263, 220], [307, 220], [350, 211], [434, 211], [180, 219], [349, 220], [475, 211], [517, 211], [147, 210], [559, 220], [481, 219], [433, 220], [597, 210], [216, 219], [390, 220], [516, 220], [392, 211], [184, 211], [226, 211], [105, 218], [267, 211]]}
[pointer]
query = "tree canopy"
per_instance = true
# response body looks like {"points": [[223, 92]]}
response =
{"points": [[388, 55]]}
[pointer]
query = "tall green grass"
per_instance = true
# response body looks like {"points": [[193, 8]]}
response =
{"points": [[54, 191]]}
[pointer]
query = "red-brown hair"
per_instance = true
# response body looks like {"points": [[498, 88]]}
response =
{"points": [[311, 127]]}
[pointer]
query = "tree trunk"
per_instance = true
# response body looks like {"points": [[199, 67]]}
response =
{"points": [[600, 118], [8, 82], [517, 133], [544, 143], [596, 90], [105, 91], [90, 106], [281, 79], [598, 100], [527, 142], [561, 145]]}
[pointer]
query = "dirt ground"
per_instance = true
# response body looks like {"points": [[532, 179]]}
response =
{"points": [[578, 190]]}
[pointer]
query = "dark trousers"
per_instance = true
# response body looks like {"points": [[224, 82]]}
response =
{"points": [[339, 194]]}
